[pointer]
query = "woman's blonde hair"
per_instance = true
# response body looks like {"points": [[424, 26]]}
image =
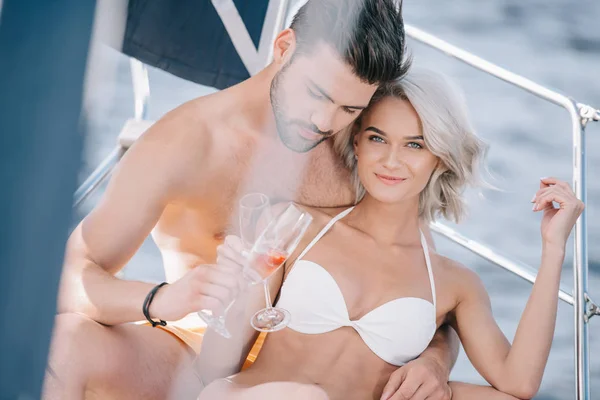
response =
{"points": [[447, 132]]}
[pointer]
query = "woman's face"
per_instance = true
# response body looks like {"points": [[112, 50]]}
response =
{"points": [[394, 164]]}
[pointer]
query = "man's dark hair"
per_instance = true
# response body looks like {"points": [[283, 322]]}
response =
{"points": [[368, 34]]}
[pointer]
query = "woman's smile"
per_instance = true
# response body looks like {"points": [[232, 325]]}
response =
{"points": [[389, 180]]}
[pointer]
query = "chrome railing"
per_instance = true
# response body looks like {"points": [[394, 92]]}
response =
{"points": [[141, 88], [518, 268], [141, 95], [97, 177], [581, 114]]}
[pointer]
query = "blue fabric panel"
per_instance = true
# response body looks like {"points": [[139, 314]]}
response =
{"points": [[188, 39], [43, 55]]}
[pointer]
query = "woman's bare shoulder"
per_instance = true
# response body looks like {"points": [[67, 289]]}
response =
{"points": [[330, 212], [455, 273]]}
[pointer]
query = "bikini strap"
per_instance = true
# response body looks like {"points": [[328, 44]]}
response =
{"points": [[429, 270], [324, 231]]}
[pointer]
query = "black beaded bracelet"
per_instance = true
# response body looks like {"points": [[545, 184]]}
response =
{"points": [[146, 307]]}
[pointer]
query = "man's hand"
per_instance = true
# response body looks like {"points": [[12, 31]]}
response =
{"points": [[206, 287], [420, 379]]}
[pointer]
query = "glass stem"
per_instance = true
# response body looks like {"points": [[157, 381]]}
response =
{"points": [[267, 294]]}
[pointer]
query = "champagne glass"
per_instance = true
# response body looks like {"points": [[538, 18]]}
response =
{"points": [[269, 251], [254, 212], [272, 248]]}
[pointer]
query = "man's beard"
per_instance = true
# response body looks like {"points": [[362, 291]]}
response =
{"points": [[286, 129]]}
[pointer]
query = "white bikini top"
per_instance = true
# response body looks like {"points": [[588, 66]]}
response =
{"points": [[397, 331]]}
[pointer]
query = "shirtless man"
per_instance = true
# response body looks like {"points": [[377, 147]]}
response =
{"points": [[182, 181]]}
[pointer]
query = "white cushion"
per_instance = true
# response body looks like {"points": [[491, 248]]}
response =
{"points": [[132, 130]]}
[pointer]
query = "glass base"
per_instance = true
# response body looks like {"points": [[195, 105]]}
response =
{"points": [[217, 324], [270, 319]]}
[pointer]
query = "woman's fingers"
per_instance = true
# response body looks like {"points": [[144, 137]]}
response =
{"points": [[557, 224], [226, 256], [548, 181], [540, 193], [553, 188], [554, 195], [231, 251], [234, 243], [562, 194]]}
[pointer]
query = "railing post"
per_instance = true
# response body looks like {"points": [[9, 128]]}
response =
{"points": [[580, 258], [141, 88]]}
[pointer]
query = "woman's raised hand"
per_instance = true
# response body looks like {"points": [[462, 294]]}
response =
{"points": [[557, 223]]}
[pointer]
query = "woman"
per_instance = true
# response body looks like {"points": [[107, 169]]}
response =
{"points": [[366, 294]]}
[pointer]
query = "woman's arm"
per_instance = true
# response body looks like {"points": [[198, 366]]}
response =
{"points": [[518, 369], [221, 357]]}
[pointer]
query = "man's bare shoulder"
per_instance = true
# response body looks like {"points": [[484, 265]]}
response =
{"points": [[191, 141], [190, 127]]}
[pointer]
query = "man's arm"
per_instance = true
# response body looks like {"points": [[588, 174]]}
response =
{"points": [[145, 181], [429, 373], [443, 349]]}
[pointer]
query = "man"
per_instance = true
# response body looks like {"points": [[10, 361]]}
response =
{"points": [[182, 181]]}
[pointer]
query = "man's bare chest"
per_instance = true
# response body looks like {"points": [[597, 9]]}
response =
{"points": [[199, 223]]}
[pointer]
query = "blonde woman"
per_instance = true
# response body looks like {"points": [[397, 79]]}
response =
{"points": [[365, 292]]}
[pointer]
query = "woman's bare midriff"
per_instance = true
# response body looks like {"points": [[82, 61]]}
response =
{"points": [[338, 361]]}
